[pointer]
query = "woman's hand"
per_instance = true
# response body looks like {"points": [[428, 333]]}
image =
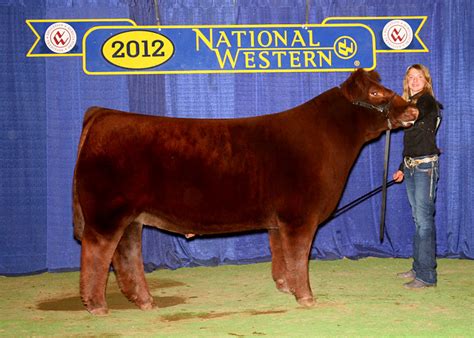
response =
{"points": [[398, 176]]}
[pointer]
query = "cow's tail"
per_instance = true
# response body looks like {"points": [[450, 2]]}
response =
{"points": [[89, 117]]}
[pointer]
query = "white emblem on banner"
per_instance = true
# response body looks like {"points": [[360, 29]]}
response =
{"points": [[397, 34], [60, 37]]}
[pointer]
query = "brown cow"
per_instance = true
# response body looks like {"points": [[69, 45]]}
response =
{"points": [[283, 172]]}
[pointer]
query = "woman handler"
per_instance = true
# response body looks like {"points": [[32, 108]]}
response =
{"points": [[420, 171]]}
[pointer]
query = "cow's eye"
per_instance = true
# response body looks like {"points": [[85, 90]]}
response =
{"points": [[374, 93]]}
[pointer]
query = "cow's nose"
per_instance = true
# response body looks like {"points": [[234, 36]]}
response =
{"points": [[413, 111]]}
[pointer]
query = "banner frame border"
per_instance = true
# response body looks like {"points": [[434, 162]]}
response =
{"points": [[374, 50]]}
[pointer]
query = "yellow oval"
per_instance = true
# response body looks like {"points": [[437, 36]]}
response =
{"points": [[138, 49]]}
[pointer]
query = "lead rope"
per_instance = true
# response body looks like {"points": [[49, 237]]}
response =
{"points": [[384, 184], [358, 201]]}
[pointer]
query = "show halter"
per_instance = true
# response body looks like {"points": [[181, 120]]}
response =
{"points": [[383, 108]]}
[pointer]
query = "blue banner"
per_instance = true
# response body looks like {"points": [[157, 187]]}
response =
{"points": [[228, 49]]}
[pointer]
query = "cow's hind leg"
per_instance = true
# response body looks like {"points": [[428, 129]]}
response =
{"points": [[278, 261], [96, 256], [296, 243], [128, 265]]}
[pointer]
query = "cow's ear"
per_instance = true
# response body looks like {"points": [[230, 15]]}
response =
{"points": [[355, 76], [358, 72], [374, 75], [361, 75], [351, 88]]}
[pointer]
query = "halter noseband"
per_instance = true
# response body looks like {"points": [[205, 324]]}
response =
{"points": [[383, 108]]}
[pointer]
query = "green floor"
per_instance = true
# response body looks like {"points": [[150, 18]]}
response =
{"points": [[354, 298]]}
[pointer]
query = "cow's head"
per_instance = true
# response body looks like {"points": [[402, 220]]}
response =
{"points": [[364, 89]]}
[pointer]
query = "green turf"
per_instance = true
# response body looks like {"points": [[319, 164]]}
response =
{"points": [[354, 298]]}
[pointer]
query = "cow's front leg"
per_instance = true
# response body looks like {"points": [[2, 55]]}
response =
{"points": [[96, 256], [278, 261], [296, 244], [128, 266]]}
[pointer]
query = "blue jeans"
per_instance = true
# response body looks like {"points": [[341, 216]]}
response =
{"points": [[421, 184]]}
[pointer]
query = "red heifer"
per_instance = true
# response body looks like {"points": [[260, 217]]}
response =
{"points": [[283, 172]]}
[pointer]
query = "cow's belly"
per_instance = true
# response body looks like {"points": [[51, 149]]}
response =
{"points": [[183, 226]]}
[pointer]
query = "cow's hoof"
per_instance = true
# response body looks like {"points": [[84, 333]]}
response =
{"points": [[306, 302], [146, 306], [282, 286], [99, 311]]}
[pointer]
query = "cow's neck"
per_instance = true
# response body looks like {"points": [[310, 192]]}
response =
{"points": [[355, 125]]}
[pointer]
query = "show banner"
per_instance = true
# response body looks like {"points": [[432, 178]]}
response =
{"points": [[224, 49], [119, 46]]}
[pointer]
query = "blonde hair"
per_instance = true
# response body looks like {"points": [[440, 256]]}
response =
{"points": [[426, 73]]}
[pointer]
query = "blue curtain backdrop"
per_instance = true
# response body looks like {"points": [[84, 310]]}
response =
{"points": [[42, 101]]}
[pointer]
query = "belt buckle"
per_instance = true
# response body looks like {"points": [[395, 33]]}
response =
{"points": [[410, 162]]}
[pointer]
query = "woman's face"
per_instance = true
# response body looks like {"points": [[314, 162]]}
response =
{"points": [[416, 81]]}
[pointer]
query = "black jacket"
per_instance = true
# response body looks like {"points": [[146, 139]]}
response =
{"points": [[420, 139]]}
